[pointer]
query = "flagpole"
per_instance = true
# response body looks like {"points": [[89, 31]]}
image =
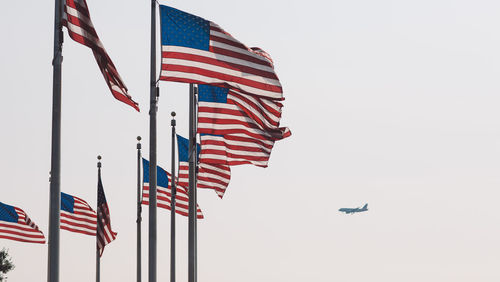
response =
{"points": [[172, 205], [139, 210], [97, 255], [55, 167], [192, 248], [154, 92]]}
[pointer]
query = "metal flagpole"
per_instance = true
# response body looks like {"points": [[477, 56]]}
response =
{"points": [[192, 248], [97, 255], [154, 92], [139, 210], [172, 205], [55, 167]]}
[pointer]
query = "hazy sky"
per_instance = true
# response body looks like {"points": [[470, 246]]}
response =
{"points": [[393, 103]]}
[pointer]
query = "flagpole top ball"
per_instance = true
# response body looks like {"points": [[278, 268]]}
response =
{"points": [[139, 138], [99, 157], [172, 122]]}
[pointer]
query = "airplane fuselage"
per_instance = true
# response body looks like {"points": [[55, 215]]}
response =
{"points": [[354, 210]]}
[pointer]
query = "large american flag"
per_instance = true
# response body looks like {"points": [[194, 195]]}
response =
{"points": [[164, 191], [195, 50], [237, 128], [105, 234], [76, 18], [77, 215], [210, 176], [16, 225]]}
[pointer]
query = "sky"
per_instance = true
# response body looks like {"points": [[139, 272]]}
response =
{"points": [[390, 103]]}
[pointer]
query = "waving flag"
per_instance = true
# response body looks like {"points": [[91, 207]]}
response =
{"points": [[195, 50], [104, 233], [16, 225], [76, 18], [77, 215], [164, 191], [237, 128], [183, 151], [210, 176]]}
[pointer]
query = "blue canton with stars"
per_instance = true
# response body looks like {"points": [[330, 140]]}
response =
{"points": [[67, 202], [183, 146], [8, 213], [182, 29], [161, 174], [208, 93]]}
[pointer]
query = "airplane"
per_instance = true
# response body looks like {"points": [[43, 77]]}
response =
{"points": [[355, 210]]}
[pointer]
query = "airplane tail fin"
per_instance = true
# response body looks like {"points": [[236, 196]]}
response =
{"points": [[365, 207]]}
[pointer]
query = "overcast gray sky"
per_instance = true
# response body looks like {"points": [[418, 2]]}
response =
{"points": [[391, 103]]}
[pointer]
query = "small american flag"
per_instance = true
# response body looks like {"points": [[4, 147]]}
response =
{"points": [[210, 176], [16, 225], [237, 128], [77, 215], [164, 191], [104, 233], [195, 50], [76, 18]]}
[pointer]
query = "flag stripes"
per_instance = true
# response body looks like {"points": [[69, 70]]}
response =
{"points": [[183, 174], [209, 176], [76, 18], [164, 191], [209, 55], [237, 128], [241, 114], [82, 219], [105, 234], [16, 225], [163, 198], [234, 150], [214, 176]]}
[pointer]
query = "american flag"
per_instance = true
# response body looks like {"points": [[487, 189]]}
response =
{"points": [[195, 50], [77, 215], [104, 233], [164, 191], [210, 176], [237, 128], [76, 18], [16, 225]]}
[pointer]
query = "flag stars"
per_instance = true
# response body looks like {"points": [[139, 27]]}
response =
{"points": [[208, 93], [8, 213], [182, 29]]}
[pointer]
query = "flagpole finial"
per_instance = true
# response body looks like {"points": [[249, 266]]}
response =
{"points": [[139, 138], [99, 161], [173, 118], [139, 142]]}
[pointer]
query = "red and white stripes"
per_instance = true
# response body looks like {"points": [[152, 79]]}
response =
{"points": [[210, 176], [163, 198], [76, 18], [241, 131], [24, 230], [83, 219], [228, 63]]}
